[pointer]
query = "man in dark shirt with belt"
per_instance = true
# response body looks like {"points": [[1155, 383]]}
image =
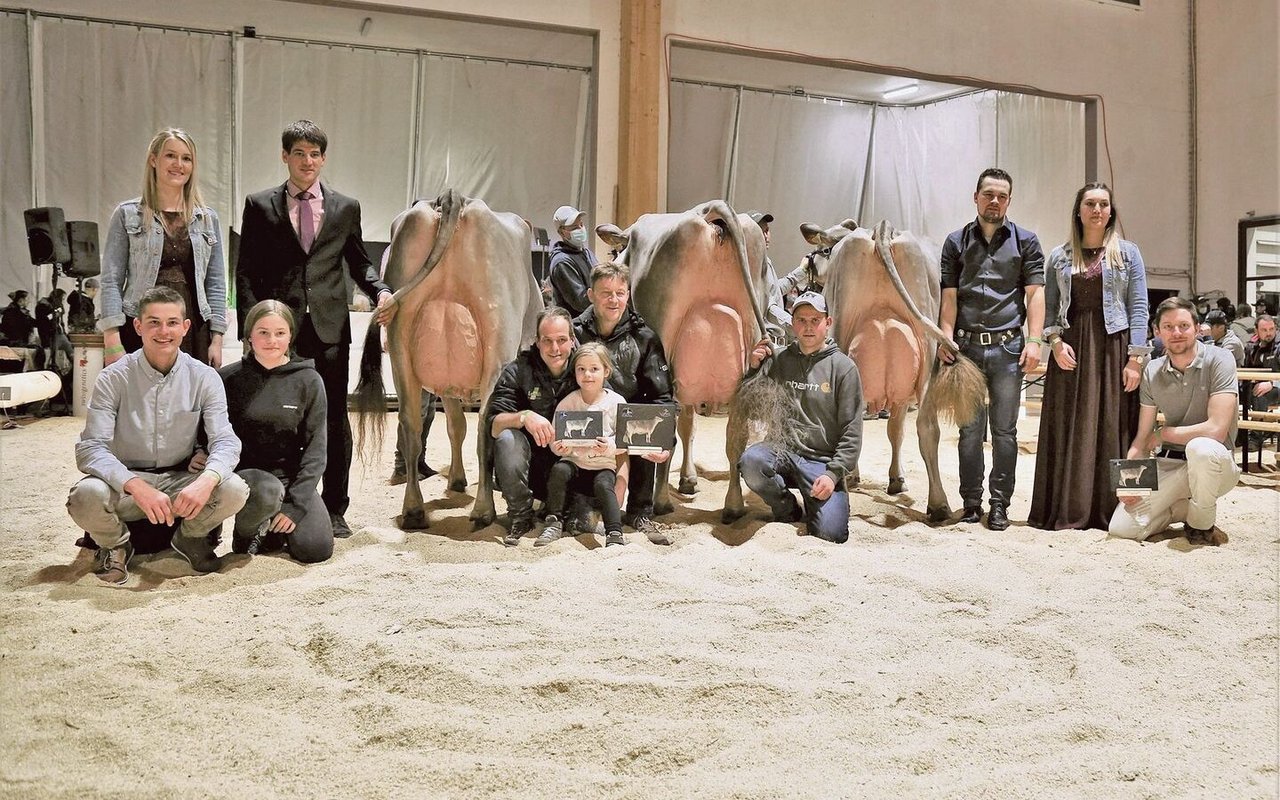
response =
{"points": [[992, 273]]}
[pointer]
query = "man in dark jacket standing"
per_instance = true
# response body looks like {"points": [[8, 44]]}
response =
{"points": [[640, 374], [519, 420], [827, 390], [293, 240], [571, 261]]}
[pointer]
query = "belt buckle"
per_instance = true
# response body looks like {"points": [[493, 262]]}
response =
{"points": [[984, 338]]}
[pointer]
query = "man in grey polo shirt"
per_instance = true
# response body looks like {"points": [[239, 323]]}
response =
{"points": [[992, 274], [139, 436], [1194, 386]]}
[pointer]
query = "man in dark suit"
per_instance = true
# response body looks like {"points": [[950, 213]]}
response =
{"points": [[293, 240]]}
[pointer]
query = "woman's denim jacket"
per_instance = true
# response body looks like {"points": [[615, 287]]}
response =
{"points": [[1124, 295], [131, 263]]}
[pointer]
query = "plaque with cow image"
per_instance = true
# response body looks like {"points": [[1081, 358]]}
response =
{"points": [[644, 428], [1134, 477], [579, 428]]}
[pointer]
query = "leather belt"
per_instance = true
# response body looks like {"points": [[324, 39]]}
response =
{"points": [[985, 338], [1167, 452]]}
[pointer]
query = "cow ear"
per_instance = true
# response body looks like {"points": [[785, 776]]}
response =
{"points": [[813, 234], [612, 236], [851, 224]]}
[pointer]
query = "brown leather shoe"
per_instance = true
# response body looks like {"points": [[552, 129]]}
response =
{"points": [[113, 564]]}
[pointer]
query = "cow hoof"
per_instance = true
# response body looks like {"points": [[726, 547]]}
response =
{"points": [[413, 521], [939, 513], [897, 485], [481, 521], [731, 515], [660, 508], [688, 486], [458, 485]]}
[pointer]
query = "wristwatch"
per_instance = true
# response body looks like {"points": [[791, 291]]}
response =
{"points": [[523, 416]]}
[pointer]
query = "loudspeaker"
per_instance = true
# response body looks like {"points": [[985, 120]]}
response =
{"points": [[84, 261], [47, 236]]}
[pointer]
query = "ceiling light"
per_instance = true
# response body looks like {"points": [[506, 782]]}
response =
{"points": [[902, 91]]}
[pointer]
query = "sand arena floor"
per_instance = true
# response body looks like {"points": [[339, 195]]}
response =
{"points": [[743, 661]]}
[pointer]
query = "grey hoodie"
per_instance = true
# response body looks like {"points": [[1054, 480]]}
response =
{"points": [[828, 414]]}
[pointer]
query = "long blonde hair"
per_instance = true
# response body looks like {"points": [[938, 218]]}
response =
{"points": [[191, 198], [1110, 239]]}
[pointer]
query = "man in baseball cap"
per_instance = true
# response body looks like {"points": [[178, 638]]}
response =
{"points": [[571, 261], [776, 317], [827, 392]]}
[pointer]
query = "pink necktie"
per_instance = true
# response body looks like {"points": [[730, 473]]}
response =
{"points": [[306, 222]]}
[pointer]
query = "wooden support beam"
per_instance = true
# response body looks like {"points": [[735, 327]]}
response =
{"points": [[638, 116]]}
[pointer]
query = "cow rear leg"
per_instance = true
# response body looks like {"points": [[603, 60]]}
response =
{"points": [[482, 512], [735, 441], [662, 489], [929, 433], [413, 516], [897, 421], [688, 472], [457, 424]]}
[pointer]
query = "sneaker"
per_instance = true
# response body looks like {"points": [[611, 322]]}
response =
{"points": [[197, 552], [614, 537], [654, 531], [553, 530], [519, 527], [113, 564]]}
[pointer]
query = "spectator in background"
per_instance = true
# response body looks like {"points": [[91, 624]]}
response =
{"points": [[571, 261], [80, 310], [1223, 336], [16, 322], [1244, 323], [53, 334]]}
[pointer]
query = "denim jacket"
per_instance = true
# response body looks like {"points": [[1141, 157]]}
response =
{"points": [[1124, 295], [131, 263]]}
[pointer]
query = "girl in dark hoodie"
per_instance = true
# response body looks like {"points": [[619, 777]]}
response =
{"points": [[276, 402]]}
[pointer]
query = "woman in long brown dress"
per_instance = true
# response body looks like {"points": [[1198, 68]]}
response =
{"points": [[1096, 324]]}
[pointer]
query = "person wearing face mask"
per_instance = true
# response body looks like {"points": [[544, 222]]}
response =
{"points": [[571, 261]]}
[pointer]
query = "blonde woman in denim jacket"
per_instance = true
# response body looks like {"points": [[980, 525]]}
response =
{"points": [[1096, 326], [165, 237]]}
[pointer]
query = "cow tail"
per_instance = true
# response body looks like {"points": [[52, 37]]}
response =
{"points": [[884, 238], [371, 398], [740, 244], [957, 392]]}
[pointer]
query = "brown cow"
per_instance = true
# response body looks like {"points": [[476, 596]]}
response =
{"points": [[884, 292], [698, 279], [468, 302]]}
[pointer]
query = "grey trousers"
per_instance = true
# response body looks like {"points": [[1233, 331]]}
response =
{"points": [[312, 539], [102, 512]]}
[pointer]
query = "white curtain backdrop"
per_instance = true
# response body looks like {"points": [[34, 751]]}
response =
{"points": [[702, 122], [401, 124], [16, 271], [801, 160], [108, 89], [362, 100], [804, 160], [512, 134]]}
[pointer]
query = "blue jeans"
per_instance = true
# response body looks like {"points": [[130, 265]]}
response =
{"points": [[999, 363], [772, 474], [521, 469]]}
